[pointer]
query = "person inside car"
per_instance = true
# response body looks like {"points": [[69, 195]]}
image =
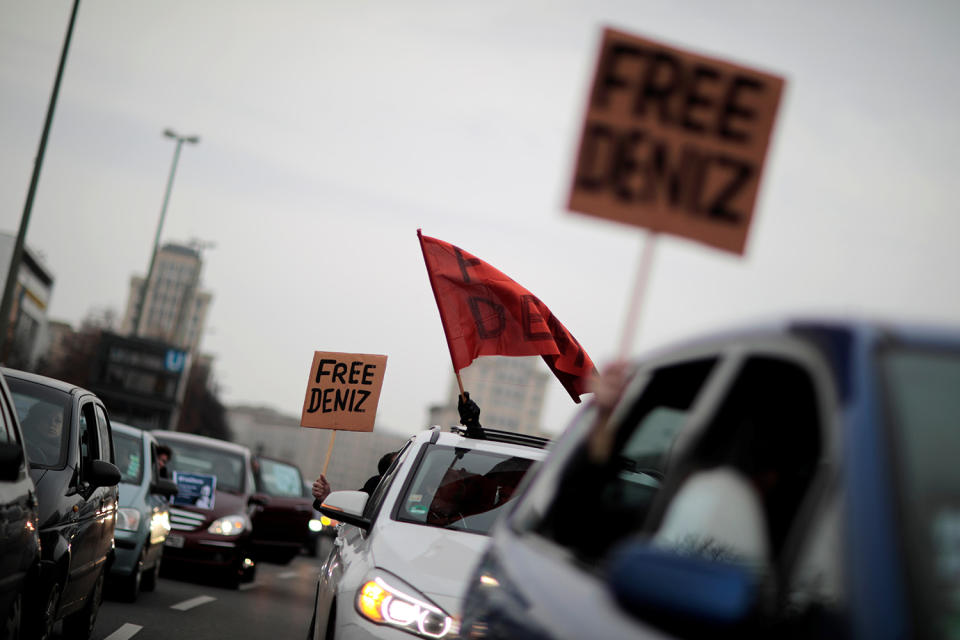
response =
{"points": [[44, 423]]}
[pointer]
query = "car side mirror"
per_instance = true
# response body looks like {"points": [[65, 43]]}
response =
{"points": [[101, 473], [164, 487], [682, 592], [347, 507], [259, 499], [11, 459]]}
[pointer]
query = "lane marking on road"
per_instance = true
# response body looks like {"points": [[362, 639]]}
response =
{"points": [[192, 602], [125, 632], [248, 586], [286, 575]]}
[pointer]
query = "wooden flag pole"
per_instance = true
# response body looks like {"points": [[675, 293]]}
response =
{"points": [[639, 291], [459, 382], [333, 436]]}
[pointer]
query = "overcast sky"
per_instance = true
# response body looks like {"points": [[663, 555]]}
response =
{"points": [[331, 131]]}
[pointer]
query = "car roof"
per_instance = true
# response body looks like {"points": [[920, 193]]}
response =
{"points": [[809, 327], [66, 387], [193, 438], [454, 438], [120, 427]]}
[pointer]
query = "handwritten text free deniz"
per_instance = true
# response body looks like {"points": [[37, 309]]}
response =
{"points": [[674, 141], [343, 391]]}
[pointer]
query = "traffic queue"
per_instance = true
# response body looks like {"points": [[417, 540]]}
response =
{"points": [[91, 506]]}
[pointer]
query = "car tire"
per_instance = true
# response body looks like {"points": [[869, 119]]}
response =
{"points": [[148, 582], [129, 586], [11, 624], [40, 622], [79, 625]]}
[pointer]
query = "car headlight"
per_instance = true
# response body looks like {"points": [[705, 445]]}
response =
{"points": [[385, 599], [229, 525], [315, 525], [128, 519]]}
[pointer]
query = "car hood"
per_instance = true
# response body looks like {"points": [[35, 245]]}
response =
{"points": [[224, 504], [436, 561], [129, 494]]}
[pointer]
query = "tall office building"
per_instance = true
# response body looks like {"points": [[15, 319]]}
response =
{"points": [[510, 393], [175, 310]]}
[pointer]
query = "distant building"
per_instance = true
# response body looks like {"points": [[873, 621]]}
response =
{"points": [[176, 308], [28, 313], [140, 380], [353, 459], [509, 391]]}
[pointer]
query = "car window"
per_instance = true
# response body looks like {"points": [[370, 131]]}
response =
{"points": [[41, 409], [228, 467], [741, 484], [103, 435], [924, 412], [87, 437], [372, 507], [459, 488], [621, 491], [129, 458], [279, 479]]}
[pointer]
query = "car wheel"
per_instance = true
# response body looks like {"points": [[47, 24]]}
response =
{"points": [[79, 625], [130, 585], [148, 582], [40, 622], [11, 625]]}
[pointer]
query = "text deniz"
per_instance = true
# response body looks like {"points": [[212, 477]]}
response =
{"points": [[341, 397]]}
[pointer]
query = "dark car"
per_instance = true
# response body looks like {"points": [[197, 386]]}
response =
{"points": [[19, 521], [831, 506], [70, 450], [143, 518], [211, 517], [282, 513]]}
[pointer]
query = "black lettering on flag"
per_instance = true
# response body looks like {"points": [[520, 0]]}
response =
{"points": [[499, 312]]}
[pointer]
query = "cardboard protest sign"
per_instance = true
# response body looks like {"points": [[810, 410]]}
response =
{"points": [[195, 489], [674, 141], [343, 391]]}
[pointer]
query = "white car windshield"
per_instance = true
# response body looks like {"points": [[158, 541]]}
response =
{"points": [[459, 488]]}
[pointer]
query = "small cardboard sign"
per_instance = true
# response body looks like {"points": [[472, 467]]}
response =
{"points": [[195, 489], [674, 141], [343, 391]]}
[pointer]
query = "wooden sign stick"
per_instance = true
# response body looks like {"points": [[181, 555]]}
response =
{"points": [[333, 436], [636, 299]]}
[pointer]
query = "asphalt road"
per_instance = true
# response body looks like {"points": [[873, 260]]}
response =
{"points": [[277, 604]]}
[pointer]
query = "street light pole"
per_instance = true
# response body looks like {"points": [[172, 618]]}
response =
{"points": [[6, 303], [138, 317]]}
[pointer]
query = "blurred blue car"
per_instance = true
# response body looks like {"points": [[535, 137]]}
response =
{"points": [[143, 520], [800, 480]]}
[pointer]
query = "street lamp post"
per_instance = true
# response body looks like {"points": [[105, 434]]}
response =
{"points": [[170, 133]]}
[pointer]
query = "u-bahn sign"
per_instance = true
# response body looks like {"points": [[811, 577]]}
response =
{"points": [[674, 141]]}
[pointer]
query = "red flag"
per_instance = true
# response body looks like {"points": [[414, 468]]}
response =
{"points": [[485, 313]]}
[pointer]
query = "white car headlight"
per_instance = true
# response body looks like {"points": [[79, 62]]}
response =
{"points": [[230, 525], [315, 525], [128, 519], [385, 599]]}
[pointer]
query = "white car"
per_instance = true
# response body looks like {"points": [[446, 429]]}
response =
{"points": [[402, 558]]}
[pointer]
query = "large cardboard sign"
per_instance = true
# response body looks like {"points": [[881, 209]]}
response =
{"points": [[674, 141], [343, 391]]}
